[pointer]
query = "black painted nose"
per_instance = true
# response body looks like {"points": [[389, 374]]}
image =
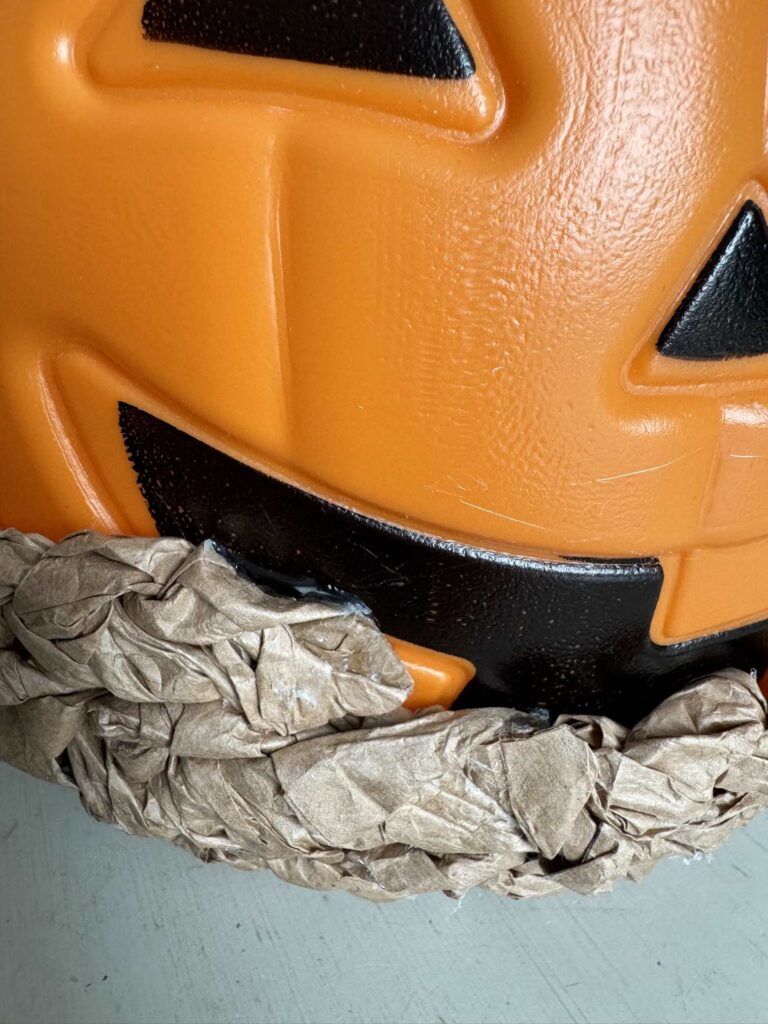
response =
{"points": [[725, 313]]}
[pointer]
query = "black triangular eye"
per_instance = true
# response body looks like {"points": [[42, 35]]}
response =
{"points": [[402, 37], [725, 313]]}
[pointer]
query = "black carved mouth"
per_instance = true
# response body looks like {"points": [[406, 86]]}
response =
{"points": [[568, 635]]}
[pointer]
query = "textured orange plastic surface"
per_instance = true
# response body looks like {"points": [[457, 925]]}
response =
{"points": [[435, 302], [437, 678]]}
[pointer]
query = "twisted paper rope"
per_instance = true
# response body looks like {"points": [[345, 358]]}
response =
{"points": [[186, 703]]}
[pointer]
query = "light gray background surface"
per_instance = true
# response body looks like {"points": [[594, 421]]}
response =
{"points": [[99, 927]]}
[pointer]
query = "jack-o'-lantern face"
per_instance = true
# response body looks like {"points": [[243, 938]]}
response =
{"points": [[486, 281]]}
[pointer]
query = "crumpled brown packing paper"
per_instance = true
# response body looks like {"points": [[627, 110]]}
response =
{"points": [[184, 702]]}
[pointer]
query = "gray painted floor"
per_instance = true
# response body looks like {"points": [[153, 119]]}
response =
{"points": [[98, 927]]}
